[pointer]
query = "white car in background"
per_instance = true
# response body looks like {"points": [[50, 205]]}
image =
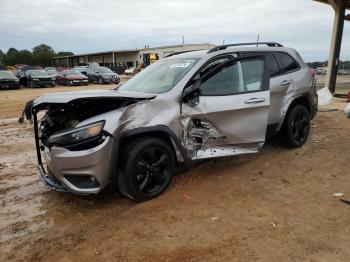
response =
{"points": [[130, 71]]}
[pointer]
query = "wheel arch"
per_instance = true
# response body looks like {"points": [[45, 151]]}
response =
{"points": [[303, 99], [162, 132]]}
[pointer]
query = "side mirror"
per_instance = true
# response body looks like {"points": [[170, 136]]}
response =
{"points": [[191, 94]]}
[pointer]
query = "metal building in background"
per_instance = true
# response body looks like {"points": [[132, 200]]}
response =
{"points": [[119, 60], [340, 7]]}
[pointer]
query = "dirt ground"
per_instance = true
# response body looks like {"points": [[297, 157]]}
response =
{"points": [[274, 206]]}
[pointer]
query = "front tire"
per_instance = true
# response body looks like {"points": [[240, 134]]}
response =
{"points": [[297, 126], [147, 168]]}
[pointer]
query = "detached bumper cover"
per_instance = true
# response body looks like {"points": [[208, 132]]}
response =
{"points": [[62, 163], [50, 181]]}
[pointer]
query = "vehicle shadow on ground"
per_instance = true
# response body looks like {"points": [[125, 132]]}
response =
{"points": [[115, 201]]}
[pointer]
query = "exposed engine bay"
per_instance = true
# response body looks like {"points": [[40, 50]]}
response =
{"points": [[60, 117]]}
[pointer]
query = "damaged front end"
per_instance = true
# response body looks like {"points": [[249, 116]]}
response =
{"points": [[77, 154]]}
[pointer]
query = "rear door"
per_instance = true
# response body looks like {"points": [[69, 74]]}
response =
{"points": [[231, 114]]}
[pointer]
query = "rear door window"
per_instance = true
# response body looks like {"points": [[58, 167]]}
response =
{"points": [[271, 62], [272, 65], [287, 63], [243, 76]]}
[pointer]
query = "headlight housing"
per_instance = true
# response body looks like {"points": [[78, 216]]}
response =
{"points": [[77, 135]]}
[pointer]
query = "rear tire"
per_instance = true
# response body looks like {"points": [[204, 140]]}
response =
{"points": [[147, 167], [296, 127]]}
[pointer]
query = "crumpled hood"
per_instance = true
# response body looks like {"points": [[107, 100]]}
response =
{"points": [[66, 97]]}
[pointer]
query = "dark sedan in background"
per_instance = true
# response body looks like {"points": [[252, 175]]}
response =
{"points": [[8, 80], [102, 75], [22, 73], [71, 77], [39, 78]]}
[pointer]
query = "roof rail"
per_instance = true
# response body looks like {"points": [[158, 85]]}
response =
{"points": [[180, 52], [223, 47]]}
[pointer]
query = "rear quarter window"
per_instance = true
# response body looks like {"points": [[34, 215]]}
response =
{"points": [[287, 63]]}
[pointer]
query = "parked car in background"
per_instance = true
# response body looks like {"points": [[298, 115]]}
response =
{"points": [[22, 73], [102, 75], [61, 68], [71, 77], [8, 80], [82, 69], [343, 72], [52, 71], [186, 107], [321, 71], [11, 68], [39, 78], [130, 71]]}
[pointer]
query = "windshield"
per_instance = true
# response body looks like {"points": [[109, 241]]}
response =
{"points": [[160, 77], [6, 74], [52, 71], [37, 73], [103, 70], [72, 73]]}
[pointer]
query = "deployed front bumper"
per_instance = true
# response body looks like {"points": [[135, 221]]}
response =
{"points": [[80, 172]]}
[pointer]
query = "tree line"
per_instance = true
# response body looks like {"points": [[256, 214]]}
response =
{"points": [[342, 64], [41, 55]]}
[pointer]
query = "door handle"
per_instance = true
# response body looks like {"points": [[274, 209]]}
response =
{"points": [[254, 100], [285, 82]]}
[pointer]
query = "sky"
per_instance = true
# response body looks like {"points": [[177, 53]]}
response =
{"points": [[82, 26]]}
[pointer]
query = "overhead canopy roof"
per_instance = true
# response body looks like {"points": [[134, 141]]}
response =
{"points": [[335, 3]]}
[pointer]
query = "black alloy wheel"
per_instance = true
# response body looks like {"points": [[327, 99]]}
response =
{"points": [[148, 169], [297, 126]]}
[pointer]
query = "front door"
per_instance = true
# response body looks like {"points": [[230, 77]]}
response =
{"points": [[230, 116]]}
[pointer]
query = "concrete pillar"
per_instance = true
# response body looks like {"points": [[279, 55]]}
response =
{"points": [[113, 59], [333, 60]]}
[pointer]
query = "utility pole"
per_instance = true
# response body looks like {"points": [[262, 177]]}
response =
{"points": [[183, 42], [223, 42], [257, 40]]}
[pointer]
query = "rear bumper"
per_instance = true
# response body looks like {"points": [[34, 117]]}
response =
{"points": [[78, 82]]}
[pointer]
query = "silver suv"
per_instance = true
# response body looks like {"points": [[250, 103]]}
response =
{"points": [[188, 106]]}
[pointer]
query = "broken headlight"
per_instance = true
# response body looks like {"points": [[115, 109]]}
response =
{"points": [[77, 135]]}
